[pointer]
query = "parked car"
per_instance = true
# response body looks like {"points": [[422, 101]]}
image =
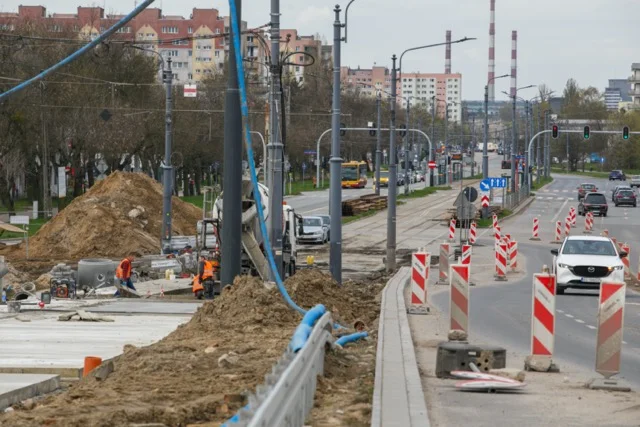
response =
{"points": [[585, 188], [625, 197], [593, 202], [384, 179], [635, 181], [618, 188], [400, 178], [617, 175], [583, 261], [419, 176], [313, 230], [326, 222]]}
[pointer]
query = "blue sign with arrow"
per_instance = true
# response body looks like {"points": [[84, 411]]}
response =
{"points": [[489, 183]]}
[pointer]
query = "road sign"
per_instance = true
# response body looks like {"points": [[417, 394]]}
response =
{"points": [[190, 91], [304, 166], [488, 183], [471, 194], [432, 164], [311, 152], [19, 220]]}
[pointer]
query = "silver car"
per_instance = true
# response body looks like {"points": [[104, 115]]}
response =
{"points": [[312, 230], [635, 181], [326, 222]]}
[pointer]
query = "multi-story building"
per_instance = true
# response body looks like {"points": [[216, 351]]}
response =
{"points": [[296, 49], [635, 85], [197, 46], [616, 93], [366, 81], [425, 88]]}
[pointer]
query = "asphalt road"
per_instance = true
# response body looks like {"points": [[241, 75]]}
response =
{"points": [[501, 314], [317, 202]]}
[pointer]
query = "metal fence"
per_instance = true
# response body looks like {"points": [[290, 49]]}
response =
{"points": [[286, 397], [512, 200]]}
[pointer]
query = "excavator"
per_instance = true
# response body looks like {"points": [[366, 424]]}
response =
{"points": [[254, 261]]}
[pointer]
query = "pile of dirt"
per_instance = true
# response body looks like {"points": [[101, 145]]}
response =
{"points": [[120, 215], [14, 276], [182, 379]]}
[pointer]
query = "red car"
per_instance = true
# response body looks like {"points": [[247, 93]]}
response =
{"points": [[583, 189]]}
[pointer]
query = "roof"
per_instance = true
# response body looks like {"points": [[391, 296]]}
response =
{"points": [[595, 238]]}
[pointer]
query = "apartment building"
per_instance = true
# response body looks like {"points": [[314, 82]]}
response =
{"points": [[616, 93], [366, 81], [445, 90], [296, 49], [634, 80], [196, 45]]}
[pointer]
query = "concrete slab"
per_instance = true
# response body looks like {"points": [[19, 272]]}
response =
{"points": [[146, 307], [17, 387], [48, 345], [154, 287], [610, 384]]}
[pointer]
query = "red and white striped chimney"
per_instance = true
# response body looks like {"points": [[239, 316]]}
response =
{"points": [[514, 62], [492, 52], [447, 55]]}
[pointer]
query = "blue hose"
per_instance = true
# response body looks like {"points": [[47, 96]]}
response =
{"points": [[351, 338], [78, 53], [302, 332]]}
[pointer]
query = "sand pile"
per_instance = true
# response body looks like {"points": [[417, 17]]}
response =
{"points": [[120, 215], [181, 380]]}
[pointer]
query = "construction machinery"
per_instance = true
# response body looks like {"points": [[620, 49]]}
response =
{"points": [[254, 261]]}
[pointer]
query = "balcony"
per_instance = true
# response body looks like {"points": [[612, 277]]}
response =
{"points": [[634, 78], [635, 92]]}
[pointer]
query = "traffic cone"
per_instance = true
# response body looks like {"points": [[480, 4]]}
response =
{"points": [[162, 292]]}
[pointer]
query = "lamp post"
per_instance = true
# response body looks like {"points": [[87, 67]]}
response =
{"points": [[514, 136], [485, 154]]}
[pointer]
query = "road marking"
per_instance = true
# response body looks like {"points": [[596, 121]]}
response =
{"points": [[560, 311], [591, 327], [550, 198], [560, 211], [569, 316], [633, 303], [624, 342], [555, 191], [579, 321], [565, 191]]}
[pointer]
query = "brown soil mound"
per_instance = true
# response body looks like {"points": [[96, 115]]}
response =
{"points": [[178, 381], [118, 216]]}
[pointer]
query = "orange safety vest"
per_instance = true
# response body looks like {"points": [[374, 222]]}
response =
{"points": [[120, 271], [208, 270]]}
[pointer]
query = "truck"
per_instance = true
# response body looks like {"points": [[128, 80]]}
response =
{"points": [[254, 261]]}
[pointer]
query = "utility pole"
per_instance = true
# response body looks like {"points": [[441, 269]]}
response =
{"points": [[433, 138], [393, 176], [525, 168], [46, 189], [167, 169], [446, 145], [473, 145], [406, 149], [567, 151], [335, 196], [378, 142], [514, 145], [538, 163], [275, 145], [547, 151], [232, 206]]}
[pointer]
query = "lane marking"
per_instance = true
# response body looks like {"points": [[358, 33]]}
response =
{"points": [[560, 211], [579, 321], [560, 311], [569, 316], [624, 342], [591, 327]]}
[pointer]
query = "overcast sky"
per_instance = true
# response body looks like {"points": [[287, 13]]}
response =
{"points": [[588, 40]]}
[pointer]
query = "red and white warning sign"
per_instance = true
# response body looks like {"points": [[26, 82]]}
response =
{"points": [[443, 263], [190, 91], [432, 164], [485, 200], [543, 317], [465, 257], [610, 323], [419, 276], [459, 298]]}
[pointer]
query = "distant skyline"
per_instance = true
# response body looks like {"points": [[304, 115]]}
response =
{"points": [[591, 42]]}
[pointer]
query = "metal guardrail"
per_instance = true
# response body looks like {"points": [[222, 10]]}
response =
{"points": [[286, 396]]}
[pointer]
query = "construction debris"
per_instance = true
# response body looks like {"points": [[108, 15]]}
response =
{"points": [[363, 204], [81, 315], [119, 215]]}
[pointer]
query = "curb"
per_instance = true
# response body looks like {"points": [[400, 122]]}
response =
{"points": [[398, 398]]}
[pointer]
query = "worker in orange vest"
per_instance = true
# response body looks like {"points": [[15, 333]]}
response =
{"points": [[206, 270], [123, 272]]}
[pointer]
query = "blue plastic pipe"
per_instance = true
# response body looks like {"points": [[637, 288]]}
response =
{"points": [[78, 53], [302, 332], [351, 338]]}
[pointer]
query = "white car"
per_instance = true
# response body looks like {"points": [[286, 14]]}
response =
{"points": [[582, 262], [313, 230], [635, 181]]}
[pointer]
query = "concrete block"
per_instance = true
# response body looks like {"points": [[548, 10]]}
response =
{"points": [[609, 384], [17, 387]]}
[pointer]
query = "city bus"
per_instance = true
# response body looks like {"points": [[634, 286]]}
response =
{"points": [[354, 174]]}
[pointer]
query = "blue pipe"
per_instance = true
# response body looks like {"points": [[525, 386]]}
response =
{"points": [[234, 419], [351, 338], [78, 53], [302, 332]]}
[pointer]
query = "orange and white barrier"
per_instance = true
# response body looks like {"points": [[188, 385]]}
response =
{"points": [[498, 236], [452, 230], [496, 227], [459, 297], [465, 258], [443, 263], [605, 233], [638, 277], [610, 324], [567, 225], [572, 215], [543, 315], [626, 261], [558, 235], [473, 233], [535, 229], [588, 223], [420, 262], [501, 262], [513, 255]]}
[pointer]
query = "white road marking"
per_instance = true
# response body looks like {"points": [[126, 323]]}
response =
{"points": [[560, 311], [579, 321], [565, 191], [560, 211], [591, 327], [550, 198], [555, 191], [569, 316], [624, 342], [633, 303]]}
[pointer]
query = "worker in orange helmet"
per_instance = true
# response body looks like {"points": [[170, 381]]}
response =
{"points": [[123, 272]]}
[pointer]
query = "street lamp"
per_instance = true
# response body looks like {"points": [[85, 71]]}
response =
{"points": [[514, 134], [485, 154]]}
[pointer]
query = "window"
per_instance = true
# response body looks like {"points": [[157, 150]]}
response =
{"points": [[217, 30], [198, 47], [197, 71], [190, 52], [301, 58], [55, 28], [170, 30], [297, 48], [190, 76], [149, 35], [121, 30], [102, 29], [175, 77], [206, 47], [190, 30], [250, 39], [297, 69], [217, 54], [172, 52]]}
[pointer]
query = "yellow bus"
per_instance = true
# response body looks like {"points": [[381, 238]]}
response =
{"points": [[354, 174]]}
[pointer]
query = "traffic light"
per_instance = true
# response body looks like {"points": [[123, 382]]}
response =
{"points": [[403, 130], [587, 132], [625, 132], [554, 131]]}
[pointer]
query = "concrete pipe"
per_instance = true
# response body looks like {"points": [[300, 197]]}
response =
{"points": [[96, 273]]}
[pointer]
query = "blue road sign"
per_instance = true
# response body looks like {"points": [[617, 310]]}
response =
{"points": [[488, 183]]}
